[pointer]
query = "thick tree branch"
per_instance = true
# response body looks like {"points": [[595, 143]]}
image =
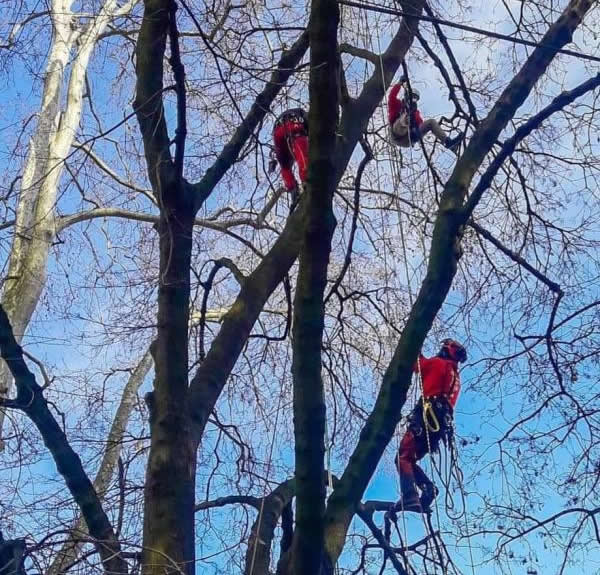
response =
{"points": [[557, 104], [68, 220], [229, 500], [31, 401], [360, 53], [271, 509], [148, 103]]}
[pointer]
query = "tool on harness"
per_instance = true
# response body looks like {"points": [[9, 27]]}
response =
{"points": [[429, 417], [433, 416]]}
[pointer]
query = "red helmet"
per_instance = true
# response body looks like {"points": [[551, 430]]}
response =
{"points": [[453, 350]]}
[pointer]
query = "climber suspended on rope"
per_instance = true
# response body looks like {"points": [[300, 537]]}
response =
{"points": [[430, 421], [290, 138], [406, 123]]}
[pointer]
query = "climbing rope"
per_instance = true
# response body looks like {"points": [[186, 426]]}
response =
{"points": [[269, 460], [427, 409]]}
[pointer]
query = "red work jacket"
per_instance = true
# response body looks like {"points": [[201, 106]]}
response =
{"points": [[396, 106], [440, 377]]}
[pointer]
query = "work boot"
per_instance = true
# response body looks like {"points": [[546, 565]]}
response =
{"points": [[452, 143], [409, 503], [428, 493], [409, 499]]}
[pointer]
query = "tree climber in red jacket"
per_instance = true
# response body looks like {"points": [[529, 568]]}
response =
{"points": [[290, 136], [427, 425], [406, 123]]}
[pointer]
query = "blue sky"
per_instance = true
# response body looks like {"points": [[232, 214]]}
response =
{"points": [[63, 323]]}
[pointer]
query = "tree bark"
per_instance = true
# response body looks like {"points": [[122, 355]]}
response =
{"points": [[309, 309], [35, 228]]}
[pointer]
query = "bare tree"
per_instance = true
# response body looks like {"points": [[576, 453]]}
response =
{"points": [[464, 232]]}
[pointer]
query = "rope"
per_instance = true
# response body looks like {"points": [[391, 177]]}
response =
{"points": [[387, 303], [459, 478], [427, 408], [430, 420], [269, 460], [466, 28], [396, 174]]}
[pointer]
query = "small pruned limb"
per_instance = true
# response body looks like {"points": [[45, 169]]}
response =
{"points": [[179, 76], [553, 286], [509, 146], [366, 514], [362, 53], [47, 379], [442, 68], [455, 67], [31, 401], [356, 209]]}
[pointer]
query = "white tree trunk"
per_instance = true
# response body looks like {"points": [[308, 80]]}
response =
{"points": [[53, 137]]}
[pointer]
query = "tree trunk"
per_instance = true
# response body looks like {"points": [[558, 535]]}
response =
{"points": [[169, 536], [309, 310], [169, 542], [49, 146]]}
